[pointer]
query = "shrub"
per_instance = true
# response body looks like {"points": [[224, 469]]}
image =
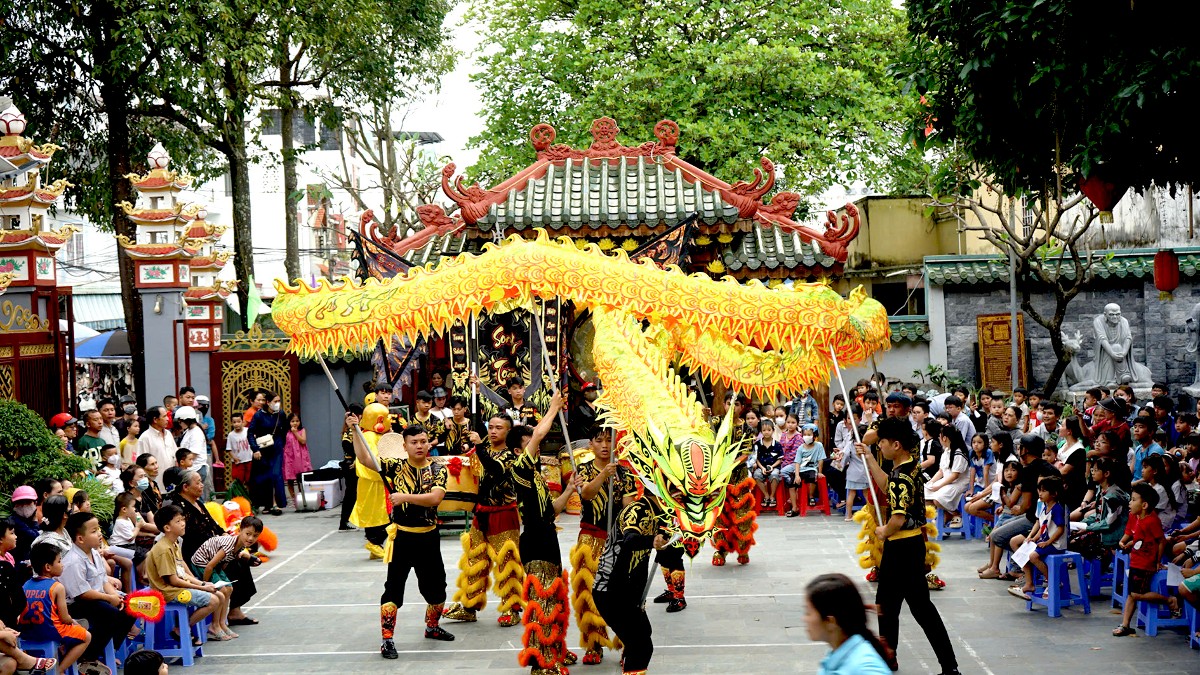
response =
{"points": [[30, 451]]}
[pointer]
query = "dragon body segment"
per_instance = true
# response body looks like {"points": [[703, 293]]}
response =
{"points": [[647, 321]]}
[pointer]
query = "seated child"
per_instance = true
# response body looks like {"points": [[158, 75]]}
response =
{"points": [[211, 559], [128, 524], [13, 660], [90, 591], [46, 617], [170, 576], [768, 455], [952, 479], [983, 464], [1146, 544], [810, 461], [1103, 526], [1050, 531]]}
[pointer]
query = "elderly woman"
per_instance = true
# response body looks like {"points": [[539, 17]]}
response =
{"points": [[200, 528], [267, 488]]}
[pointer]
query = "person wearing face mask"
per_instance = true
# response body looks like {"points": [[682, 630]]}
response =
{"points": [[128, 409], [24, 512], [110, 469], [267, 486]]}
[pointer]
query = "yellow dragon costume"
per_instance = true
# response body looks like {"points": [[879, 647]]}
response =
{"points": [[647, 321]]}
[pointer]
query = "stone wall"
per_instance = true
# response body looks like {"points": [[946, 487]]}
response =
{"points": [[1159, 334]]}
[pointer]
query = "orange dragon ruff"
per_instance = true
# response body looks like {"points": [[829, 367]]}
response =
{"points": [[757, 340]]}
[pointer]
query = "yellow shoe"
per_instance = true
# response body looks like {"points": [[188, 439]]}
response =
{"points": [[456, 612], [375, 550]]}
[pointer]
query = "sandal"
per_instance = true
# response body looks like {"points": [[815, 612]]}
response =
{"points": [[1122, 631], [791, 514], [243, 621], [983, 569], [41, 667], [218, 637], [1005, 576], [989, 574], [1018, 592]]}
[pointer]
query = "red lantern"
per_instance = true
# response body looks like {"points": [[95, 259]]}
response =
{"points": [[1166, 273], [1103, 192]]}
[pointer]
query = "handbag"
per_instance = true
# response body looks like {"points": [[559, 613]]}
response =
{"points": [[265, 441]]}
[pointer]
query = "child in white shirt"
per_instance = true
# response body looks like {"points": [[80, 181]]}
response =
{"points": [[237, 446]]}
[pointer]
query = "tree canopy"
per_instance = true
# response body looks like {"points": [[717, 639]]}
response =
{"points": [[804, 82], [1039, 90]]}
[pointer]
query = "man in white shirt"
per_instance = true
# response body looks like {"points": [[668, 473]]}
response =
{"points": [[158, 441], [1047, 430], [108, 413], [954, 408]]}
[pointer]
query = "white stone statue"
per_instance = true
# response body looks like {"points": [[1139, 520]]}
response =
{"points": [[1193, 347], [1077, 373], [1114, 364]]}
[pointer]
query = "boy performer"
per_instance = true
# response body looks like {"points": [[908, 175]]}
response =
{"points": [[545, 593], [493, 536], [413, 543], [594, 477]]}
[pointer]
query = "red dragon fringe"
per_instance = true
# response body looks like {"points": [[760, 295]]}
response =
{"points": [[737, 522], [545, 632]]}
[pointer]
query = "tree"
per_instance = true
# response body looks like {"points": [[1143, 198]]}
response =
{"points": [[803, 82], [1041, 93], [1028, 98], [408, 176], [358, 50], [78, 70]]}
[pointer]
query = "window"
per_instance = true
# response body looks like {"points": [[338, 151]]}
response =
{"points": [[74, 250], [159, 237], [270, 122], [321, 239], [228, 185], [898, 299]]}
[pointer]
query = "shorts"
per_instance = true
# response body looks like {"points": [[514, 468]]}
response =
{"points": [[71, 634], [197, 598], [759, 474], [1139, 580], [217, 575], [788, 474], [1192, 584], [1044, 551], [808, 476]]}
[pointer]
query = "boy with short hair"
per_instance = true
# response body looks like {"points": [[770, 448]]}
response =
{"points": [[170, 576], [89, 593], [46, 617], [210, 560], [237, 445], [1145, 543]]}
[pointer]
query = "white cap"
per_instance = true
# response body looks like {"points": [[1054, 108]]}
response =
{"points": [[186, 412]]}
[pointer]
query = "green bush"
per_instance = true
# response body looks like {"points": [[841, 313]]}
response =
{"points": [[30, 451], [103, 502]]}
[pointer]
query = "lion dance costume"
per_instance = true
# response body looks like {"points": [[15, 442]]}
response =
{"points": [[760, 341], [738, 520], [490, 545], [371, 508]]}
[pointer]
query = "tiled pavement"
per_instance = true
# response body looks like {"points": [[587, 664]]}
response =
{"points": [[318, 605]]}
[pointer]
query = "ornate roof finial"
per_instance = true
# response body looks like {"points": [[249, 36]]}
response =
{"points": [[604, 133], [158, 157], [12, 121]]}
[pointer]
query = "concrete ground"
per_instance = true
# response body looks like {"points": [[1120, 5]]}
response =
{"points": [[318, 604]]}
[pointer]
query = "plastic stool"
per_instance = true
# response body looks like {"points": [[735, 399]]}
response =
{"points": [[1193, 617], [822, 497], [1096, 576], [781, 498], [1153, 617], [1120, 578], [46, 650], [944, 531], [159, 638], [1059, 585]]}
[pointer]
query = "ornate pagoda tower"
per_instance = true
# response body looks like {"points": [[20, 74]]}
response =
{"points": [[206, 295]]}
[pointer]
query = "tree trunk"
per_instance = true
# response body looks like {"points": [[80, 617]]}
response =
{"points": [[115, 95], [243, 242], [287, 116]]}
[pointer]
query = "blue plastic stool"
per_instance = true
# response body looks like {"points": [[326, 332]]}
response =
{"points": [[1096, 576], [1193, 617], [159, 638], [974, 525], [943, 531], [1120, 578], [1059, 585], [46, 650], [1153, 617]]}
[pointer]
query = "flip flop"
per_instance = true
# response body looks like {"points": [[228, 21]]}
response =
{"points": [[1018, 592], [244, 621], [1122, 631], [41, 667]]}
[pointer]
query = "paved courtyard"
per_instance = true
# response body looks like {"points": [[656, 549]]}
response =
{"points": [[318, 605]]}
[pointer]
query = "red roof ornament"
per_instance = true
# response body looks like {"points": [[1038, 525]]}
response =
{"points": [[1166, 273]]}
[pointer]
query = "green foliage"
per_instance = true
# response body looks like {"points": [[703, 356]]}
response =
{"points": [[22, 431], [1032, 91], [103, 502], [804, 83], [938, 377]]}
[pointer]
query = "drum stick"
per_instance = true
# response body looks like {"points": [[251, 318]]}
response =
{"points": [[562, 417]]}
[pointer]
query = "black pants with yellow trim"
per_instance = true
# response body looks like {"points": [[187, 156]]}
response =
{"points": [[419, 552]]}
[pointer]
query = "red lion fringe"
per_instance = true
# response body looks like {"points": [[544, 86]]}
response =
{"points": [[544, 638], [737, 522]]}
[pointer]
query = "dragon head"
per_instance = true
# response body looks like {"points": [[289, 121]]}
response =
{"points": [[689, 473]]}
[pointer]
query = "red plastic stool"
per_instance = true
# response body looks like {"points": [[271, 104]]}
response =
{"points": [[822, 497]]}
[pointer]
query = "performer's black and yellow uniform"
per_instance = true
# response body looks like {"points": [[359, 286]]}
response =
{"points": [[545, 590], [455, 435], [738, 520], [413, 545], [621, 579], [585, 557], [434, 428], [491, 540]]}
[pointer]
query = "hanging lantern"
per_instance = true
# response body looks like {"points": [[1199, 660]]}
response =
{"points": [[1102, 191], [1166, 273]]}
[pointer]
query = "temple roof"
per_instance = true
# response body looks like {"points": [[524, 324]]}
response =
{"points": [[215, 261], [1117, 264], [179, 249], [218, 291], [48, 241], [775, 253]]}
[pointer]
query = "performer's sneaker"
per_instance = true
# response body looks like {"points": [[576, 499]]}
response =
{"points": [[592, 657], [388, 650], [456, 612], [676, 605], [663, 597], [569, 658], [508, 619], [438, 633], [375, 550]]}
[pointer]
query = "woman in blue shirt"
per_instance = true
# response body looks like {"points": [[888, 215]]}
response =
{"points": [[835, 614]]}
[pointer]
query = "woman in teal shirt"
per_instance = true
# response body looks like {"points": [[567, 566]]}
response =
{"points": [[835, 614]]}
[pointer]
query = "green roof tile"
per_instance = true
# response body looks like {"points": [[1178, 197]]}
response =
{"points": [[1123, 264], [909, 330], [770, 247]]}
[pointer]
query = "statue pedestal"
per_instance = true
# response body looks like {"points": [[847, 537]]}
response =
{"points": [[1193, 391]]}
